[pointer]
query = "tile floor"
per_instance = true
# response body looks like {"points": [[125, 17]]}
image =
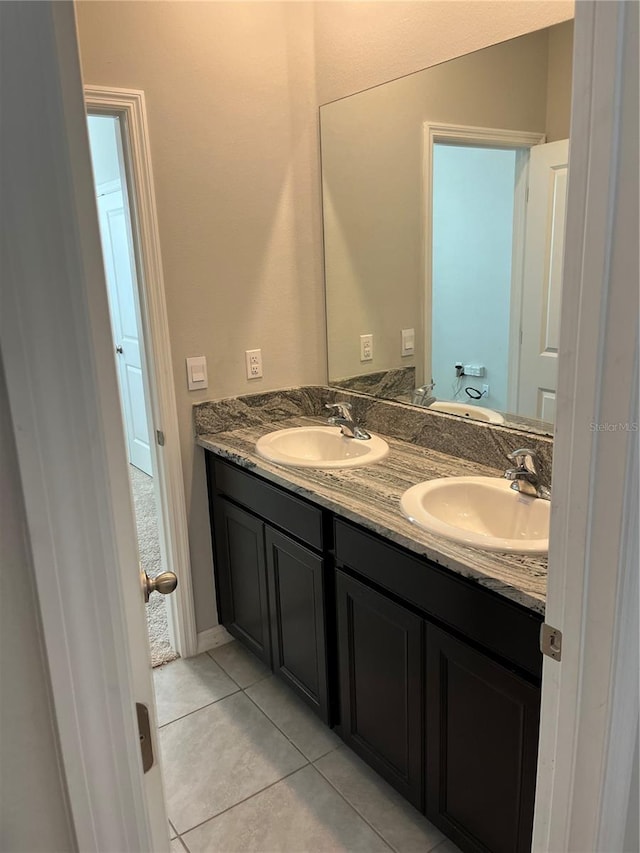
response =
{"points": [[248, 767]]}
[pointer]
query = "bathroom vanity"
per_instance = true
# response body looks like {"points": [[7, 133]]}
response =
{"points": [[423, 654]]}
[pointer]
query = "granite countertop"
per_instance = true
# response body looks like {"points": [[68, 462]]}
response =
{"points": [[370, 496]]}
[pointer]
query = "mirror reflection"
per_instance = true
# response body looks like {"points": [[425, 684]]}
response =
{"points": [[444, 203]]}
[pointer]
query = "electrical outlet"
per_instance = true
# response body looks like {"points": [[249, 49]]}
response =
{"points": [[253, 359], [366, 347], [485, 390], [473, 370]]}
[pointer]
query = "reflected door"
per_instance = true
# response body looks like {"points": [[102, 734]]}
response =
{"points": [[542, 282], [121, 285]]}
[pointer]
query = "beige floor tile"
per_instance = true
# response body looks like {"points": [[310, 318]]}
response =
{"points": [[301, 813], [239, 664], [220, 755], [447, 847], [176, 846], [293, 717], [188, 684], [399, 823]]}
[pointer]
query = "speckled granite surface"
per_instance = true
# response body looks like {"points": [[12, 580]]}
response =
{"points": [[369, 496], [486, 444], [388, 384]]}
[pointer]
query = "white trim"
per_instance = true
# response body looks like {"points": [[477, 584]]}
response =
{"points": [[434, 132], [129, 104], [58, 359], [588, 564], [625, 682], [212, 638], [517, 278]]}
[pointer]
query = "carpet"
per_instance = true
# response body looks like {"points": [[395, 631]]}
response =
{"points": [[149, 549]]}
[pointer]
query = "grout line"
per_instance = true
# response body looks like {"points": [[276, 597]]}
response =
{"points": [[355, 808], [262, 678], [351, 806], [201, 708], [276, 726], [244, 800], [183, 843], [329, 751]]}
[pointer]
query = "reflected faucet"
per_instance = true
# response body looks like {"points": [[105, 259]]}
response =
{"points": [[422, 396], [525, 476], [342, 417]]}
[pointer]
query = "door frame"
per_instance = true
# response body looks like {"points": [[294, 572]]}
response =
{"points": [[57, 354], [589, 714], [440, 132], [129, 106]]}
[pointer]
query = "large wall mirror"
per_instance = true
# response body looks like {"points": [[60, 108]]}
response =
{"points": [[444, 204]]}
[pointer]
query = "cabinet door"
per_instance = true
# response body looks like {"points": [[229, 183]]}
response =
{"points": [[379, 656], [481, 747], [242, 577], [296, 609]]}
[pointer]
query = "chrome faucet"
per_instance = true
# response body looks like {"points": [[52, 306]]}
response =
{"points": [[525, 476], [422, 396], [342, 417]]}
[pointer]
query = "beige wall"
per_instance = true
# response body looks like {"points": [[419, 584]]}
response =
{"points": [[232, 92], [559, 78], [34, 815], [231, 103]]}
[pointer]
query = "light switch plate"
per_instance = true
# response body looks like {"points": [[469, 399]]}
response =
{"points": [[197, 373], [408, 341]]}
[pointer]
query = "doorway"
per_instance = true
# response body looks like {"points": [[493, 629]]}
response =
{"points": [[119, 255]]}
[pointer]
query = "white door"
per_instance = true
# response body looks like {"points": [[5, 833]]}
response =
{"points": [[122, 289], [542, 280]]}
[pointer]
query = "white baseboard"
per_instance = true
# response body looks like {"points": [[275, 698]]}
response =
{"points": [[212, 638]]}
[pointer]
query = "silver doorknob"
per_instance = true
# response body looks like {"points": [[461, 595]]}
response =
{"points": [[164, 583]]}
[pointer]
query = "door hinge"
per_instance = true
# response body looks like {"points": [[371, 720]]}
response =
{"points": [[160, 437], [550, 641], [526, 196], [144, 729]]}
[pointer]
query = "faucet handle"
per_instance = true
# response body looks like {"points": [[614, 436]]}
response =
{"points": [[340, 409], [525, 458]]}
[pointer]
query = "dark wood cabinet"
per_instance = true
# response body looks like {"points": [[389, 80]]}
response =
{"points": [[296, 607], [380, 665], [481, 747], [271, 588], [433, 680], [242, 577]]}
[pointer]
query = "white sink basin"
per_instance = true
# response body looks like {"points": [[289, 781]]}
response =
{"points": [[320, 447], [476, 413], [482, 512]]}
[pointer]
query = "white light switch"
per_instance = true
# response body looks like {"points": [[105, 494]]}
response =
{"points": [[408, 341], [197, 373]]}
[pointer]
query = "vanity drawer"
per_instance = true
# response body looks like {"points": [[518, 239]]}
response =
{"points": [[510, 631], [293, 515]]}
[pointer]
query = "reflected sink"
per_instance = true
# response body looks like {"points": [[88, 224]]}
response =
{"points": [[476, 413], [481, 512], [320, 447]]}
